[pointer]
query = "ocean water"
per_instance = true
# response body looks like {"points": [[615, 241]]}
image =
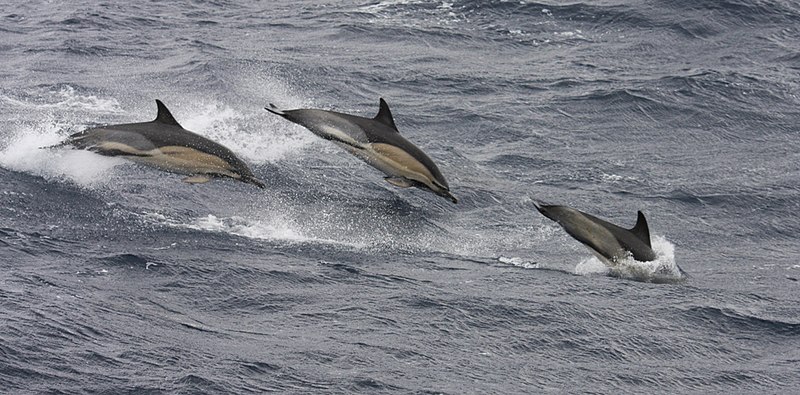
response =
{"points": [[118, 278]]}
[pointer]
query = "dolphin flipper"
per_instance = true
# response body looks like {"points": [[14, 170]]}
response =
{"points": [[401, 182], [198, 179]]}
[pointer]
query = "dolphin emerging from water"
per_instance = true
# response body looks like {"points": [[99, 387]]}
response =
{"points": [[164, 144], [607, 241], [377, 142]]}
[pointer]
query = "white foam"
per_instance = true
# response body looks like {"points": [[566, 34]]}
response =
{"points": [[23, 153], [274, 229], [381, 5], [590, 266], [661, 269], [402, 12], [53, 108], [282, 223], [617, 178], [518, 262]]}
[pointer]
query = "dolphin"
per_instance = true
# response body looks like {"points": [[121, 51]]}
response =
{"points": [[165, 145], [377, 142], [607, 241]]}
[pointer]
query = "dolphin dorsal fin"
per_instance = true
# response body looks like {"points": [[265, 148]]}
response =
{"points": [[164, 116], [385, 116], [641, 230]]}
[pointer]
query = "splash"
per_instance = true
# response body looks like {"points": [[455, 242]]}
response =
{"points": [[277, 220], [24, 153], [662, 269], [256, 137], [518, 262], [54, 109], [275, 228]]}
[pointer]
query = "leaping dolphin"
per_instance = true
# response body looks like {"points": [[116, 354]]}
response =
{"points": [[165, 145], [607, 241], [377, 142]]}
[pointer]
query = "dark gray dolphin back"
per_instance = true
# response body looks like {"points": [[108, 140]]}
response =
{"points": [[635, 240]]}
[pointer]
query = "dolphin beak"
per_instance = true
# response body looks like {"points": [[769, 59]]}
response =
{"points": [[254, 181], [447, 194]]}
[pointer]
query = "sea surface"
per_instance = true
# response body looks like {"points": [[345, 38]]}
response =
{"points": [[121, 279]]}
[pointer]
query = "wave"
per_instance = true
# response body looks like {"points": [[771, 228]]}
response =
{"points": [[627, 102], [738, 13], [465, 22], [32, 243], [44, 101], [731, 321], [364, 218], [290, 226]]}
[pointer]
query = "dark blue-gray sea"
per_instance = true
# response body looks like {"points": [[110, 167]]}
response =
{"points": [[121, 279]]}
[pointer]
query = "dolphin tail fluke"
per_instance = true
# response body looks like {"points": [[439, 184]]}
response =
{"points": [[451, 197], [275, 110], [254, 181]]}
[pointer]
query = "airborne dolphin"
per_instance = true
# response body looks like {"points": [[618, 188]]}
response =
{"points": [[377, 142], [164, 144], [607, 241]]}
